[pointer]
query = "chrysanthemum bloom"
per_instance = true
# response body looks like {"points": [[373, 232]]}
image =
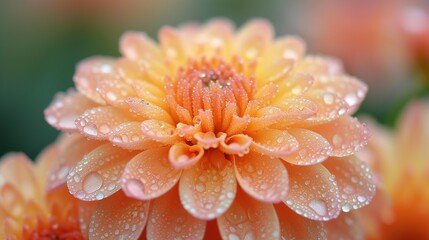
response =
{"points": [[26, 210], [401, 162], [214, 125]]}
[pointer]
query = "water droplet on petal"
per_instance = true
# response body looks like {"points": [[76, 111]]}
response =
{"points": [[318, 206], [92, 182], [328, 98]]}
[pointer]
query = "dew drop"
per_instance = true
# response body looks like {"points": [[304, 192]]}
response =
{"points": [[328, 98], [318, 206], [104, 129], [346, 207], [200, 187], [233, 236], [99, 196], [135, 188], [361, 198], [351, 99], [92, 182], [90, 130]]}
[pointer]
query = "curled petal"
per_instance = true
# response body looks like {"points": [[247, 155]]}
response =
{"points": [[262, 177], [346, 226], [97, 176], [346, 135], [209, 139], [168, 220], [129, 135], [159, 131], [89, 72], [248, 218], [208, 189], [149, 175], [294, 226], [313, 148], [354, 181], [182, 155], [72, 153], [313, 192], [238, 144], [272, 142], [330, 106], [65, 108], [97, 123], [148, 110], [127, 216]]}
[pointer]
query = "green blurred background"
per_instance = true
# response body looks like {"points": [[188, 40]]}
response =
{"points": [[41, 41]]}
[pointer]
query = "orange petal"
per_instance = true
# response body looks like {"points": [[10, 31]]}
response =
{"points": [[159, 131], [89, 71], [12, 200], [115, 92], [319, 66], [313, 148], [248, 218], [209, 139], [208, 188], [65, 108], [70, 154], [354, 181], [238, 144], [330, 106], [98, 175], [168, 220], [149, 175], [150, 92], [294, 226], [172, 45], [274, 70], [17, 169], [252, 38], [288, 47], [45, 161], [148, 110], [129, 135], [346, 226], [272, 142], [97, 123], [85, 210], [216, 37], [182, 155], [138, 46], [352, 90], [313, 192], [127, 218], [295, 110], [346, 135], [262, 177], [293, 85]]}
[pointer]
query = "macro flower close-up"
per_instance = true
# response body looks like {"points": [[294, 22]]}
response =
{"points": [[212, 130], [26, 210]]}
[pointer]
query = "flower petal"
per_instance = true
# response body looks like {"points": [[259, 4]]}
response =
{"points": [[354, 181], [346, 135], [172, 44], [208, 188], [129, 135], [159, 131], [148, 110], [295, 110], [97, 176], [294, 226], [238, 144], [138, 46], [98, 122], [262, 177], [70, 154], [346, 226], [168, 220], [182, 155], [149, 174], [330, 106], [252, 38], [85, 211], [248, 218], [65, 108], [126, 216], [115, 92], [313, 192], [288, 47], [293, 85], [313, 148], [272, 142], [89, 71]]}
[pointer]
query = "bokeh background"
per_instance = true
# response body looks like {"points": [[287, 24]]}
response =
{"points": [[385, 43]]}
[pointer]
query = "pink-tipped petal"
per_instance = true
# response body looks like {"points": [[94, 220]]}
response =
{"points": [[346, 226], [168, 220], [313, 192], [182, 155], [294, 226], [65, 108], [272, 142], [208, 188], [159, 131], [238, 144], [97, 176], [149, 174], [262, 177], [313, 148], [129, 135], [97, 123], [118, 217], [248, 218], [70, 155], [346, 135], [89, 71], [354, 181]]}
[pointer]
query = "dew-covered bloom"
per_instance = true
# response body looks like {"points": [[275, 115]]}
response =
{"points": [[400, 160], [213, 124], [26, 210]]}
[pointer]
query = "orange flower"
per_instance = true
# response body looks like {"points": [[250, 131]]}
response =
{"points": [[401, 207], [204, 109], [26, 211]]}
